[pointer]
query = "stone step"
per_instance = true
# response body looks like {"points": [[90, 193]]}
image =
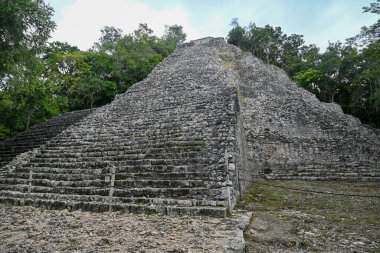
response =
{"points": [[199, 162], [130, 159], [104, 207], [98, 151], [175, 165], [117, 134], [134, 135], [38, 135], [196, 193], [56, 176], [25, 145], [98, 169], [122, 146], [55, 170], [115, 154], [135, 140], [105, 199], [104, 184], [202, 175]]}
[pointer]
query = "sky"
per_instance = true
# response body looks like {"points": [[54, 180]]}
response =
{"points": [[79, 21]]}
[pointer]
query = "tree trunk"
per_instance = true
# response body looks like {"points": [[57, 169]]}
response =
{"points": [[29, 117]]}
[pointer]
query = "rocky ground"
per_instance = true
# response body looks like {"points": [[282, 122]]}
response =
{"points": [[283, 220], [29, 229], [288, 220]]}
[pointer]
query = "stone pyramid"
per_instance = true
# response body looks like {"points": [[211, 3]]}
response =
{"points": [[190, 137]]}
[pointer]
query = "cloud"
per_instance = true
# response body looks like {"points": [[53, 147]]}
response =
{"points": [[81, 21]]}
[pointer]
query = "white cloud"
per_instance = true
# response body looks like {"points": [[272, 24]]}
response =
{"points": [[81, 21]]}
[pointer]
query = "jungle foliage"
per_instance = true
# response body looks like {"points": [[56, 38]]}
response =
{"points": [[41, 79], [345, 73]]}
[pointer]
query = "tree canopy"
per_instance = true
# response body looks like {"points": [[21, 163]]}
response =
{"points": [[346, 73], [39, 79], [24, 29]]}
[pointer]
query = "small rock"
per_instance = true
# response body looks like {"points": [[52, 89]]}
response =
{"points": [[154, 233]]}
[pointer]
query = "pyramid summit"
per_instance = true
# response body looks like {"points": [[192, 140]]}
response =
{"points": [[189, 138]]}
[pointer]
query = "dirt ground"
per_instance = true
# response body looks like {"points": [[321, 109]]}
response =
{"points": [[30, 229], [289, 220]]}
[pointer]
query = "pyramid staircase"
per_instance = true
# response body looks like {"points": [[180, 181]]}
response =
{"points": [[38, 135], [167, 145]]}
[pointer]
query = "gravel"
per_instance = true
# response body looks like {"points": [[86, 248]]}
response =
{"points": [[30, 229]]}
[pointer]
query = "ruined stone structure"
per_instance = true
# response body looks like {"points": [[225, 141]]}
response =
{"points": [[189, 137], [290, 134], [38, 135]]}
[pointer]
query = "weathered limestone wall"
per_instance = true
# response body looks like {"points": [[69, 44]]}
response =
{"points": [[291, 134], [284, 131]]}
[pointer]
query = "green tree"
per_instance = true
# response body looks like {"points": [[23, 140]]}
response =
{"points": [[236, 36], [127, 59], [25, 27], [174, 36], [310, 79], [265, 42], [78, 77], [291, 58], [107, 40], [365, 88], [330, 67], [368, 34], [269, 44], [91, 92], [368, 83], [58, 77], [87, 79]]}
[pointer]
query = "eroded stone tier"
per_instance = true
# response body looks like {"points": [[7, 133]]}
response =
{"points": [[290, 134], [38, 135], [189, 137]]}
